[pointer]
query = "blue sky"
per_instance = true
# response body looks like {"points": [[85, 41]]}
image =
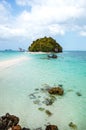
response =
{"points": [[22, 21]]}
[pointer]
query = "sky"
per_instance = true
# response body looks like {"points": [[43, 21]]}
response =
{"points": [[23, 21]]}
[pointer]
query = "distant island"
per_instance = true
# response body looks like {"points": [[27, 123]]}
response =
{"points": [[46, 44]]}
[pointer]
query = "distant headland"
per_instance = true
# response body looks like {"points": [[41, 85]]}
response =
{"points": [[45, 44]]}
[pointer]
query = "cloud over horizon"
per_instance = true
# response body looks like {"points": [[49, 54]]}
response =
{"points": [[39, 18]]}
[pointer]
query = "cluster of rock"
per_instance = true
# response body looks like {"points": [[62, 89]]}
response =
{"points": [[10, 122]]}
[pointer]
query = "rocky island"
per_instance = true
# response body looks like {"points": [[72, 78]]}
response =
{"points": [[46, 44]]}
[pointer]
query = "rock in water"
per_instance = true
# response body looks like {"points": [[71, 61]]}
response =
{"points": [[51, 127], [72, 125], [25, 128], [78, 94], [8, 121], [48, 101], [56, 90], [48, 112], [17, 127]]}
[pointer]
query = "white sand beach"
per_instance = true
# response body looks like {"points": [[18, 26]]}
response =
{"points": [[40, 52], [8, 63]]}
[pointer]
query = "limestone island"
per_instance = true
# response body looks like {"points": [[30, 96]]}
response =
{"points": [[45, 44]]}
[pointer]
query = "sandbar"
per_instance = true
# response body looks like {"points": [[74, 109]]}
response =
{"points": [[8, 63]]}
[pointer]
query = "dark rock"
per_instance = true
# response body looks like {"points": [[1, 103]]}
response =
{"points": [[17, 127], [3, 123], [8, 121], [48, 112], [56, 90], [0, 122], [60, 85], [13, 119], [32, 96], [51, 127], [25, 128], [43, 90], [41, 109], [48, 101], [52, 97], [72, 125], [78, 94], [36, 89]]}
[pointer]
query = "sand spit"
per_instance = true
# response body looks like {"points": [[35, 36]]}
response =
{"points": [[8, 63]]}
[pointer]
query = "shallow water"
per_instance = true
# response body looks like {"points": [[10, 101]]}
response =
{"points": [[18, 81]]}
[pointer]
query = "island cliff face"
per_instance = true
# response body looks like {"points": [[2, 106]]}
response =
{"points": [[46, 44]]}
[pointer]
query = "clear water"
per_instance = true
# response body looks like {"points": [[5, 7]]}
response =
{"points": [[18, 81], [5, 55]]}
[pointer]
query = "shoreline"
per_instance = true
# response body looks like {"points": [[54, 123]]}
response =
{"points": [[7, 63], [39, 52]]}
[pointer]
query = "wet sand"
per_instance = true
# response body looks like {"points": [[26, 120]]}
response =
{"points": [[8, 63]]}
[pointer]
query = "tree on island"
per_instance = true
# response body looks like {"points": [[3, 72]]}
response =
{"points": [[46, 44]]}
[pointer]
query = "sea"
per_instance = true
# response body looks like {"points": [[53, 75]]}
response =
{"points": [[23, 89]]}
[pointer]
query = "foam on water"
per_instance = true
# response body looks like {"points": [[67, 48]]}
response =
{"points": [[18, 81]]}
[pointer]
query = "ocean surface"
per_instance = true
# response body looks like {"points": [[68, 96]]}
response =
{"points": [[22, 84]]}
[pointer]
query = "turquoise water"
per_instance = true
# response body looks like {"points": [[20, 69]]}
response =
{"points": [[5, 55], [18, 81]]}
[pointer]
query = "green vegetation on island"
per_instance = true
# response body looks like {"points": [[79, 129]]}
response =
{"points": [[46, 44]]}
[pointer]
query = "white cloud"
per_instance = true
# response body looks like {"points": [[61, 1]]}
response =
{"points": [[46, 17], [23, 2], [10, 32], [58, 3], [58, 10], [4, 12], [57, 29], [83, 33]]}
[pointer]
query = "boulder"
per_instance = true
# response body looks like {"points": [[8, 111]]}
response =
{"points": [[51, 127], [17, 127], [78, 94], [72, 125], [56, 90], [13, 120], [3, 123], [25, 128], [8, 121], [48, 112]]}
